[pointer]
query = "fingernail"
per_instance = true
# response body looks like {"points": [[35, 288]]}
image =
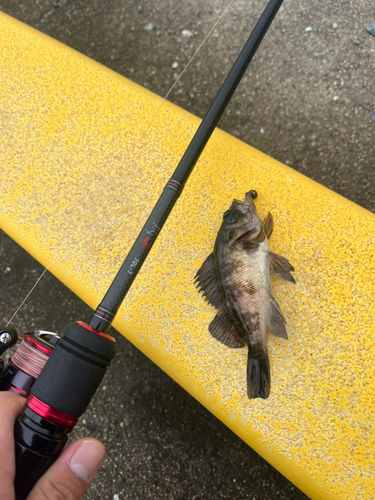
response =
{"points": [[86, 459]]}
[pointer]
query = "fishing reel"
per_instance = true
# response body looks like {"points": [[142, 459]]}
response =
{"points": [[24, 367], [58, 376]]}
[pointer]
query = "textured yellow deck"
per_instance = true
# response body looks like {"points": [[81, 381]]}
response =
{"points": [[83, 160]]}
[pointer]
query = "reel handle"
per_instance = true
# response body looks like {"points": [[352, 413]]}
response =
{"points": [[8, 337], [59, 396]]}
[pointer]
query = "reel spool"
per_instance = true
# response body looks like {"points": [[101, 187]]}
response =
{"points": [[28, 361]]}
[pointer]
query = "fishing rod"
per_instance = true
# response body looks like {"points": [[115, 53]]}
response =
{"points": [[60, 375]]}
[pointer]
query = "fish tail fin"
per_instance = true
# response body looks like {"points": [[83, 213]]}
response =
{"points": [[258, 374]]}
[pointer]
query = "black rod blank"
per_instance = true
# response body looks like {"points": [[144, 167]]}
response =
{"points": [[116, 293]]}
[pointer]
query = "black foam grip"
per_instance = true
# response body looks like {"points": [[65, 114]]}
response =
{"points": [[74, 370]]}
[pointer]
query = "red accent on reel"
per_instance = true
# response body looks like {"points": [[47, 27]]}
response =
{"points": [[45, 411], [36, 344], [17, 390], [91, 329]]}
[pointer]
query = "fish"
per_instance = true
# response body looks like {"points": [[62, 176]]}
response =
{"points": [[235, 280]]}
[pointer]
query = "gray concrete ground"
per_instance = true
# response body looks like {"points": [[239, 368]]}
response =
{"points": [[307, 100]]}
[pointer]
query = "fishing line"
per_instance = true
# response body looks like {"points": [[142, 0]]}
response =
{"points": [[27, 296], [195, 53], [150, 119]]}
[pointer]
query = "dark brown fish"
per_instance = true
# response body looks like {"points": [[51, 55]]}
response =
{"points": [[235, 279]]}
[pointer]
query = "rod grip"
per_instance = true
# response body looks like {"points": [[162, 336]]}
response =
{"points": [[38, 444], [58, 398]]}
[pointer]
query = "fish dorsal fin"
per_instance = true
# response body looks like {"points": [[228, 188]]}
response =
{"points": [[277, 321], [268, 225], [206, 282], [281, 266], [222, 329]]}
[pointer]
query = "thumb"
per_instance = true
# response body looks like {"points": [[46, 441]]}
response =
{"points": [[71, 475]]}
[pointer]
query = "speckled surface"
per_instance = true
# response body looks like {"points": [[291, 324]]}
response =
{"points": [[84, 160]]}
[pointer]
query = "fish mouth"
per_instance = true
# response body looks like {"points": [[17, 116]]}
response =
{"points": [[244, 236]]}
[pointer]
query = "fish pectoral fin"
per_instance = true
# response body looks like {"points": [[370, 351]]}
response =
{"points": [[268, 225], [222, 329], [260, 238], [277, 321], [281, 266], [205, 281]]}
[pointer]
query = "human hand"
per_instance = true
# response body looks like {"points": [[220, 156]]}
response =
{"points": [[67, 479]]}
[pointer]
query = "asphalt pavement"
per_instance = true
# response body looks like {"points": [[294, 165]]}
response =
{"points": [[307, 100]]}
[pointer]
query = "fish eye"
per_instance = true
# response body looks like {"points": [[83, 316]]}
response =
{"points": [[230, 216]]}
